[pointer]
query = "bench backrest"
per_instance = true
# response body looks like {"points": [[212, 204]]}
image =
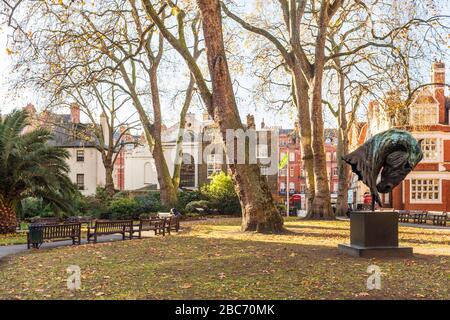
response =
{"points": [[49, 220], [172, 221], [56, 231], [437, 213], [417, 212], [81, 219], [113, 226]]}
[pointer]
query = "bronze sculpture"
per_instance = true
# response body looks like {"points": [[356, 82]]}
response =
{"points": [[393, 152]]}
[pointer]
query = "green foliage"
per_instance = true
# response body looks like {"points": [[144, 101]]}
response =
{"points": [[92, 206], [149, 203], [30, 166], [221, 194], [33, 207], [124, 208], [184, 198], [192, 206]]}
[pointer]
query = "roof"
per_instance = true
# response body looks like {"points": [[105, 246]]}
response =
{"points": [[71, 135]]}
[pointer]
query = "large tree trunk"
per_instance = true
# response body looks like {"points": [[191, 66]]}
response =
{"points": [[258, 210], [181, 128], [109, 181], [169, 193], [8, 222], [302, 103], [109, 169], [342, 149], [322, 202]]}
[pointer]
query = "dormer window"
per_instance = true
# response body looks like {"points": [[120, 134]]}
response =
{"points": [[425, 111]]}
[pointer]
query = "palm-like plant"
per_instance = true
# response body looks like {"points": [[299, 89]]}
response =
{"points": [[30, 167]]}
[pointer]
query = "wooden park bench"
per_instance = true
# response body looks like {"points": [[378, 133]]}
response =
{"points": [[171, 223], [107, 227], [38, 233], [152, 224], [437, 218], [418, 216], [404, 216], [87, 220]]}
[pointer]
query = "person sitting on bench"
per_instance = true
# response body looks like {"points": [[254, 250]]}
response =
{"points": [[175, 212]]}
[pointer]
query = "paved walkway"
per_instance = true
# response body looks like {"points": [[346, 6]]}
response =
{"points": [[18, 248]]}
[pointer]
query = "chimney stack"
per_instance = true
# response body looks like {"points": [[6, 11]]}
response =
{"points": [[74, 113], [251, 122], [438, 81]]}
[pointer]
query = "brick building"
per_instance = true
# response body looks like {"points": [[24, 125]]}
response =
{"points": [[289, 141], [428, 186]]}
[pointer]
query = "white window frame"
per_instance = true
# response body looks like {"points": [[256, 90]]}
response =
{"points": [[439, 144], [213, 165], [424, 201], [425, 143], [292, 156], [291, 187], [262, 151], [420, 110]]}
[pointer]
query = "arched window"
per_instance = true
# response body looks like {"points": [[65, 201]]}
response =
{"points": [[189, 136], [147, 172], [187, 174]]}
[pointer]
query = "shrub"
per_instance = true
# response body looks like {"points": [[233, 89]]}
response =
{"points": [[34, 207], [185, 197], [221, 194], [148, 203], [192, 206], [124, 208], [91, 206]]}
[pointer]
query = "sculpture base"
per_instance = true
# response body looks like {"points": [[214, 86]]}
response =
{"points": [[375, 252], [374, 234]]}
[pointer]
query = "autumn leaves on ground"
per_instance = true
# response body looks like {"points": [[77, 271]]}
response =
{"points": [[214, 260]]}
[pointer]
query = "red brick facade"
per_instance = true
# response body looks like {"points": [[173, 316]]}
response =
{"points": [[428, 186]]}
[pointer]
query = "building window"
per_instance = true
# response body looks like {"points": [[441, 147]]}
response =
{"points": [[282, 172], [213, 165], [328, 155], [425, 190], [262, 151], [335, 171], [80, 181], [429, 149], [292, 156], [303, 188], [264, 170], [282, 187], [187, 172], [291, 187], [80, 155], [291, 171], [424, 114], [147, 173]]}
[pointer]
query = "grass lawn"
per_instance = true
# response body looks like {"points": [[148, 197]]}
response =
{"points": [[13, 238], [214, 260]]}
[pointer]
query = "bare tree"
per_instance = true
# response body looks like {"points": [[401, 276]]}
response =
{"points": [[258, 211]]}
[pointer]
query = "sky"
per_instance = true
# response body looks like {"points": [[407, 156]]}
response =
{"points": [[244, 96]]}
